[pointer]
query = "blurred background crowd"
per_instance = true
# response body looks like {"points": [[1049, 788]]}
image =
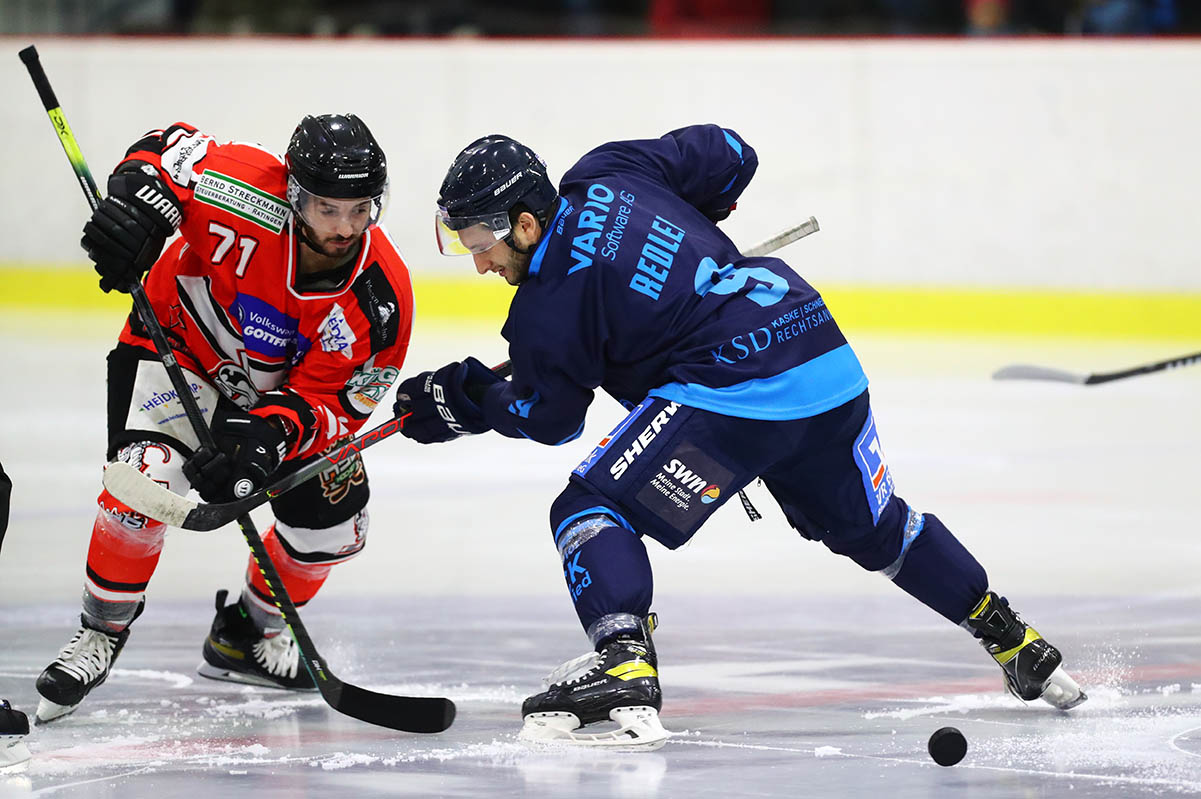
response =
{"points": [[663, 18]]}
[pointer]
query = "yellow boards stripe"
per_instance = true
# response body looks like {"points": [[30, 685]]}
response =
{"points": [[858, 309]]}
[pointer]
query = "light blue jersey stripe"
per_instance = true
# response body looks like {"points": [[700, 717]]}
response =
{"points": [[814, 387]]}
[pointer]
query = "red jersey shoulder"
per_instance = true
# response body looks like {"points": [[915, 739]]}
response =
{"points": [[235, 182]]}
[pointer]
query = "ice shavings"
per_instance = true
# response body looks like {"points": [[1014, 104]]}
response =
{"points": [[176, 679]]}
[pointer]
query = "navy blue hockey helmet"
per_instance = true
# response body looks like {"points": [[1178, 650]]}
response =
{"points": [[490, 177], [335, 156]]}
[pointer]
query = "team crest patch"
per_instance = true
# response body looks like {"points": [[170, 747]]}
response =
{"points": [[242, 199], [877, 479], [183, 153], [336, 335], [369, 384]]}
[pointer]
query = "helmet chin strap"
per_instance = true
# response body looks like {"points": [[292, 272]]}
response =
{"points": [[512, 242], [301, 227]]}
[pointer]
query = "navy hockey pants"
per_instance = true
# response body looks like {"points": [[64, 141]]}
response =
{"points": [[667, 467]]}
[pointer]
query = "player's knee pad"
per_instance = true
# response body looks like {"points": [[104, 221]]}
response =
{"points": [[162, 464], [335, 496], [606, 568], [936, 569], [877, 547], [325, 546]]}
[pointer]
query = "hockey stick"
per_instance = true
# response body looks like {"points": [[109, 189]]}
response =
{"points": [[1027, 372], [410, 714], [150, 499], [782, 239]]}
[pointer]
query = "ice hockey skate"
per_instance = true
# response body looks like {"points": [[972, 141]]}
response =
{"points": [[83, 664], [619, 684], [237, 651], [1032, 666], [14, 726]]}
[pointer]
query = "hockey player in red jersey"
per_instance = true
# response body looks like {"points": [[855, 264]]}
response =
{"points": [[289, 310]]}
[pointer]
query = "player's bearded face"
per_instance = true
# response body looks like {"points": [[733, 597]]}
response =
{"points": [[505, 261], [333, 226]]}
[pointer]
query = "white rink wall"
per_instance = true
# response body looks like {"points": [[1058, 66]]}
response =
{"points": [[1021, 163]]}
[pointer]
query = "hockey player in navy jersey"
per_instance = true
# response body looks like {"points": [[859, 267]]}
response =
{"points": [[731, 368]]}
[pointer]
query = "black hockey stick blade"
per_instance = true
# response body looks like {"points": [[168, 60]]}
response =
{"points": [[1022, 371], [1027, 372], [405, 713]]}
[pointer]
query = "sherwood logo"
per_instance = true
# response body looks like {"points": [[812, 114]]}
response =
{"points": [[643, 441]]}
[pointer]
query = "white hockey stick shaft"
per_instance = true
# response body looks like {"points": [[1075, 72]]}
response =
{"points": [[783, 238]]}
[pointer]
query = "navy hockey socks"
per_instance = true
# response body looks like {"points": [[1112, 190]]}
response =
{"points": [[939, 572], [607, 571]]}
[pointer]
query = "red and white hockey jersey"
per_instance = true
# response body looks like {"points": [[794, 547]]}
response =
{"points": [[226, 294]]}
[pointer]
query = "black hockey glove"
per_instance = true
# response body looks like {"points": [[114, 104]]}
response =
{"points": [[444, 404], [249, 449], [128, 229], [716, 215]]}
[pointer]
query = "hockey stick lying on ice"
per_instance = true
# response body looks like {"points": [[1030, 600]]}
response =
{"points": [[411, 714], [1028, 372], [152, 500]]}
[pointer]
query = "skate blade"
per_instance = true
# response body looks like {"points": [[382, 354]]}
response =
{"points": [[638, 729], [1062, 691], [49, 711], [207, 669]]}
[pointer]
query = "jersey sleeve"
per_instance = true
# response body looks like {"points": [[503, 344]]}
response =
{"points": [[240, 183], [332, 392], [557, 364], [705, 165], [176, 152]]}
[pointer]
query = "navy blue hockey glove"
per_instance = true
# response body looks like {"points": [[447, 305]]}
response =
{"points": [[249, 449], [444, 404], [128, 229]]}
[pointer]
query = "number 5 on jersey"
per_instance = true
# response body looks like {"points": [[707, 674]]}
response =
{"points": [[227, 238], [711, 278]]}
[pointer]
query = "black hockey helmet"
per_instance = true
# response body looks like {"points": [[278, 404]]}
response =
{"points": [[335, 155], [489, 178]]}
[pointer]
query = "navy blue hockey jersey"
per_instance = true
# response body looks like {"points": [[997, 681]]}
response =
{"points": [[634, 290]]}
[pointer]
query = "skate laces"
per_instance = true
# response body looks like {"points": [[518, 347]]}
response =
{"points": [[278, 655], [573, 670], [87, 655]]}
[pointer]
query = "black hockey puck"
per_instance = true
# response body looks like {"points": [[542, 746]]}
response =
{"points": [[947, 746]]}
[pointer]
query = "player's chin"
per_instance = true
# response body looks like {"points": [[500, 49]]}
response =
{"points": [[335, 249]]}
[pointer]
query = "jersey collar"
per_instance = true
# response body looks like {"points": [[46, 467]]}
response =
{"points": [[536, 261]]}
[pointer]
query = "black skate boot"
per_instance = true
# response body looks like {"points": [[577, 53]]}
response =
{"points": [[83, 664], [237, 651], [618, 683], [1031, 665], [14, 726]]}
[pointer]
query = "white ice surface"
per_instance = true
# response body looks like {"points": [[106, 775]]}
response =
{"points": [[786, 670]]}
